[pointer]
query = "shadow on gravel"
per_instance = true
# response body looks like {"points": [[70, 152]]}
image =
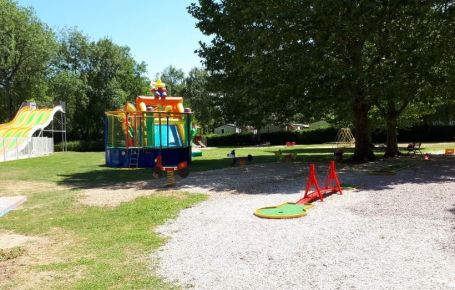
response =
{"points": [[270, 178], [452, 210], [418, 172]]}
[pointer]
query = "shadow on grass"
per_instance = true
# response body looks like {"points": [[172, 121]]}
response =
{"points": [[284, 178], [266, 176], [120, 177]]}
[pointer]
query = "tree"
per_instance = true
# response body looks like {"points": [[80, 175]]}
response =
{"points": [[26, 49], [319, 57], [250, 85], [174, 79], [277, 58], [406, 56], [94, 77], [201, 100]]}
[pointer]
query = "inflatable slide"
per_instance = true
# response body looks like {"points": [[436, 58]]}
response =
{"points": [[16, 134]]}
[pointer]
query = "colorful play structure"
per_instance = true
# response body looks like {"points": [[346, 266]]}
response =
{"points": [[300, 208], [153, 133], [31, 132]]}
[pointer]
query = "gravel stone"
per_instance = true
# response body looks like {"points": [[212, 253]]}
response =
{"points": [[396, 232]]}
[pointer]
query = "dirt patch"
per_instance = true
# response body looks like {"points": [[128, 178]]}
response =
{"points": [[109, 197], [225, 181], [10, 240], [114, 196], [27, 187], [32, 269]]}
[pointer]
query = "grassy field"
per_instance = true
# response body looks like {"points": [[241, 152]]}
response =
{"points": [[84, 247], [105, 247]]}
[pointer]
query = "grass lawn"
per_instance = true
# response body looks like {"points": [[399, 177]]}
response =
{"points": [[106, 247], [86, 247]]}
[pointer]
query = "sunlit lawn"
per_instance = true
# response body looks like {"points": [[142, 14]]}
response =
{"points": [[110, 247]]}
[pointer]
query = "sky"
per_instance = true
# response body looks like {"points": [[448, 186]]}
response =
{"points": [[159, 32]]}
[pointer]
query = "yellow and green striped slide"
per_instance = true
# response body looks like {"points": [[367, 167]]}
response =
{"points": [[15, 134]]}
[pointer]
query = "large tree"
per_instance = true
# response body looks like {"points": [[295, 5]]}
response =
{"points": [[243, 62], [94, 77], [284, 57], [26, 49], [203, 102], [174, 79], [406, 57]]}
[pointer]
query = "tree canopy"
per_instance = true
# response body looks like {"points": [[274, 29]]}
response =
{"points": [[92, 77], [39, 65], [27, 47], [274, 59]]}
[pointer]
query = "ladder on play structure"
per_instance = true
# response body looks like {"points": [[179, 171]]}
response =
{"points": [[134, 158]]}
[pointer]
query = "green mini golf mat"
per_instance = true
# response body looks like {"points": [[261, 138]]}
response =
{"points": [[286, 210]]}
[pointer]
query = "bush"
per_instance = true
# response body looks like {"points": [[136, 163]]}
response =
{"points": [[316, 136], [422, 133], [241, 139], [81, 146]]}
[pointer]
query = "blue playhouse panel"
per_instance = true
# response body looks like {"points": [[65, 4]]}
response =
{"points": [[119, 157], [174, 136]]}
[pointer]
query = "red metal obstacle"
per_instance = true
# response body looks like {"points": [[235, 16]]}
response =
{"points": [[332, 185]]}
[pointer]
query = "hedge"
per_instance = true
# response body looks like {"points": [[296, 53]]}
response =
{"points": [[81, 146], [423, 133], [276, 138]]}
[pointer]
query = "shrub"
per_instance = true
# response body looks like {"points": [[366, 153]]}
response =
{"points": [[316, 136], [422, 133], [242, 139], [81, 146]]}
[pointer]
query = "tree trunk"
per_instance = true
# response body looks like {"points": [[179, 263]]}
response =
{"points": [[391, 118], [258, 135], [362, 151], [392, 143]]}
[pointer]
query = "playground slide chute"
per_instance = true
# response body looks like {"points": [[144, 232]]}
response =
{"points": [[15, 134]]}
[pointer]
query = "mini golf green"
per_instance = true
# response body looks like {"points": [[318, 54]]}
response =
{"points": [[283, 211]]}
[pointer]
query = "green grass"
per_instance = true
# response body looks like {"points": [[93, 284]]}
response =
{"points": [[109, 241], [110, 247]]}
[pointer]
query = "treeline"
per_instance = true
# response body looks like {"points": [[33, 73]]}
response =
{"points": [[45, 66], [42, 65]]}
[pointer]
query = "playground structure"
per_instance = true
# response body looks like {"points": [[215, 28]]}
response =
{"points": [[345, 137], [197, 142], [31, 132], [153, 133], [298, 209]]}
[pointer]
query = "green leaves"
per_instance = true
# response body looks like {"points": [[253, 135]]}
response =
{"points": [[26, 49], [94, 77], [271, 60], [174, 79]]}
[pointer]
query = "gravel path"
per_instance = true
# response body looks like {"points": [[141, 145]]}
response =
{"points": [[397, 232]]}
